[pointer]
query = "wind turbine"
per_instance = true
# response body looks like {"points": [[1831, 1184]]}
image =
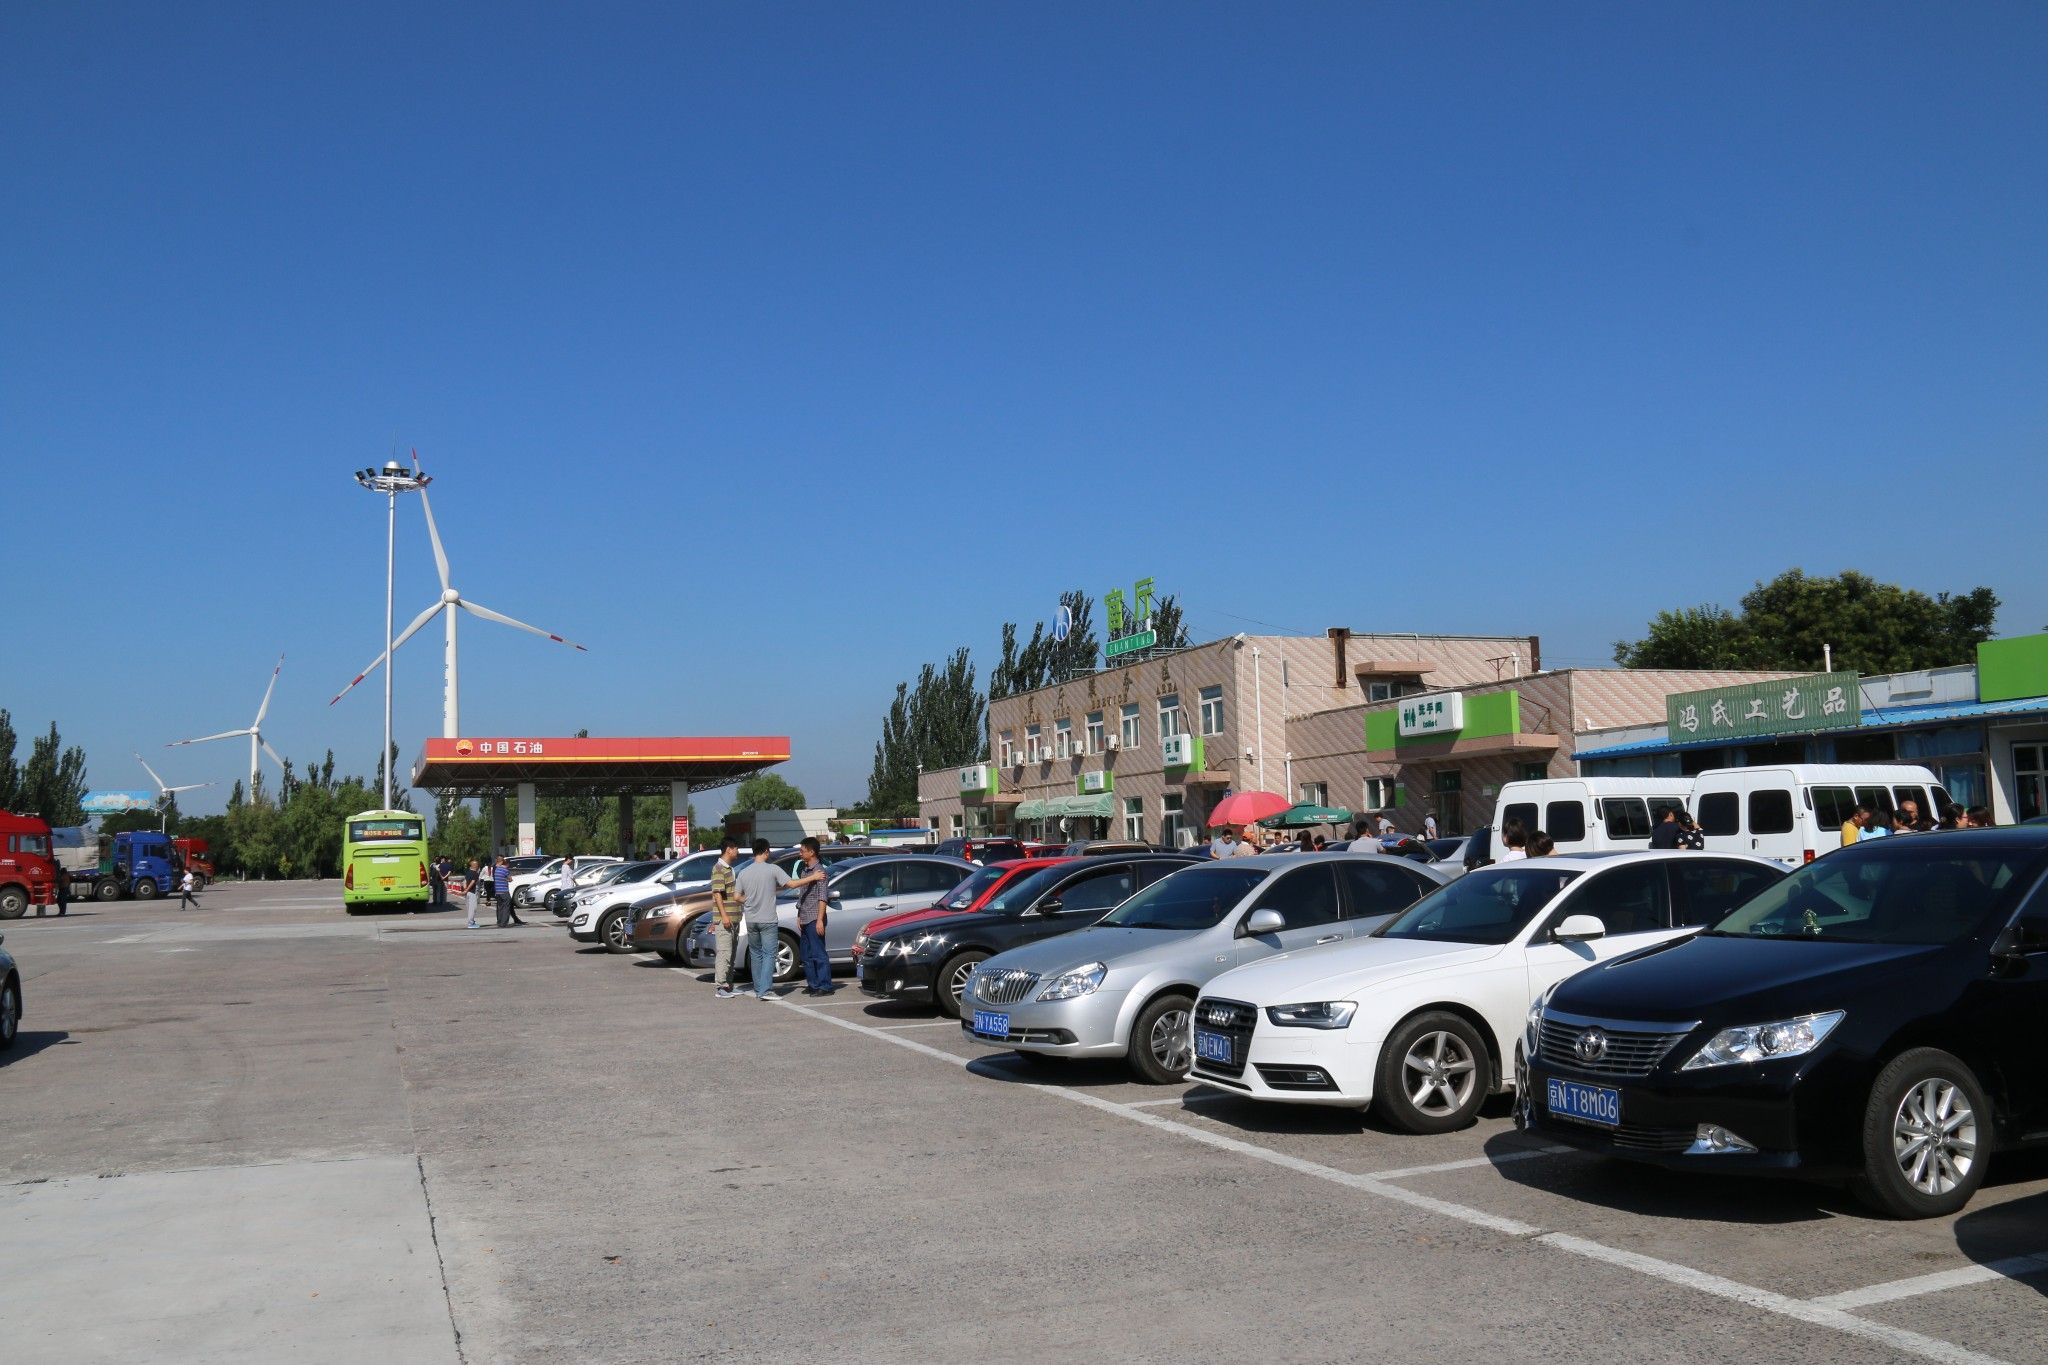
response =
{"points": [[254, 732], [164, 793], [447, 603]]}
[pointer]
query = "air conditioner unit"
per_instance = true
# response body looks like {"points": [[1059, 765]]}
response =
{"points": [[1113, 743]]}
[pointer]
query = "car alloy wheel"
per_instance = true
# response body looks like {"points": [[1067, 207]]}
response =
{"points": [[1934, 1137], [1438, 1074], [785, 959], [1172, 1041], [1162, 1041], [617, 937]]}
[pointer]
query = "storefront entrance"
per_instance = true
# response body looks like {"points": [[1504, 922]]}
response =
{"points": [[2029, 780]]}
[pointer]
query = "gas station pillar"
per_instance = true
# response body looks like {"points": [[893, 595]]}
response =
{"points": [[526, 817], [497, 804], [678, 809]]}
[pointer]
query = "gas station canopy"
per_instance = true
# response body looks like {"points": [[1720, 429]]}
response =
{"points": [[561, 766]]}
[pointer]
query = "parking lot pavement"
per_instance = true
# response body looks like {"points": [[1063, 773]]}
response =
{"points": [[613, 1165]]}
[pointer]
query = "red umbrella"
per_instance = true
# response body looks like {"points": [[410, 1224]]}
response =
{"points": [[1247, 808]]}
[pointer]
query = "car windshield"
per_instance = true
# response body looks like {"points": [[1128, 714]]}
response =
{"points": [[1193, 898], [632, 872], [1490, 905], [1023, 893], [1921, 890], [970, 890]]}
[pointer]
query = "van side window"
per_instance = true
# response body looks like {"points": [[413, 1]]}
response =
{"points": [[1831, 805], [1565, 821], [1627, 817], [1720, 813], [1879, 799], [1660, 804], [1770, 811], [1525, 811], [1917, 795]]}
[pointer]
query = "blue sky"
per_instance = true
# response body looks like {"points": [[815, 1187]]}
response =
{"points": [[772, 350]]}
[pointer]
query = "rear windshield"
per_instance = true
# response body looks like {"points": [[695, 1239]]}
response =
{"points": [[1917, 890], [970, 890], [1489, 905], [1193, 898], [384, 831]]}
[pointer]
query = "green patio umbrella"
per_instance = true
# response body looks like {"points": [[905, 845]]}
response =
{"points": [[1305, 814]]}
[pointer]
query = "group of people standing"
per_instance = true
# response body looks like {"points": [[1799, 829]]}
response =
{"points": [[743, 896], [1864, 823]]}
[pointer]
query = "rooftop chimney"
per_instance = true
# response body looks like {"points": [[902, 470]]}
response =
{"points": [[1340, 638]]}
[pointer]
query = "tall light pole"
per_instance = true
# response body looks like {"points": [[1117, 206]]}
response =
{"points": [[393, 479]]}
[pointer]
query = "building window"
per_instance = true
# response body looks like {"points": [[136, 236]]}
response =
{"points": [[1315, 793], [1535, 772], [959, 825], [2029, 781], [1447, 801], [1388, 691], [1127, 727], [1031, 740], [1169, 716], [1134, 818], [1212, 710], [1005, 748], [1094, 740], [1379, 793], [1063, 738], [1171, 823]]}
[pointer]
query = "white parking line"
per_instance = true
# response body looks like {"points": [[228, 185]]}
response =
{"points": [[1470, 1163], [929, 1023], [1813, 1313], [2012, 1268]]}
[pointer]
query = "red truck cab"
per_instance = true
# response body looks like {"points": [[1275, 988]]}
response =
{"points": [[196, 857], [28, 871]]}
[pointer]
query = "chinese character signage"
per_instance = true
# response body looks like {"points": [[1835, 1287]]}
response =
{"points": [[1790, 706], [1090, 783], [1130, 620], [1442, 714], [977, 778], [1181, 751], [679, 834]]}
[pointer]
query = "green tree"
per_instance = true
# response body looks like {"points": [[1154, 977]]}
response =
{"points": [[53, 781], [1167, 625], [1872, 627], [938, 723], [10, 771], [765, 791]]}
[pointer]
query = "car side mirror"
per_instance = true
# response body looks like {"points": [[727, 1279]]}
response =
{"points": [[1051, 907], [2028, 934], [1579, 929], [1265, 922], [831, 895]]}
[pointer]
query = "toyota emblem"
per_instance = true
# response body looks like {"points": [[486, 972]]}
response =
{"points": [[1591, 1046]]}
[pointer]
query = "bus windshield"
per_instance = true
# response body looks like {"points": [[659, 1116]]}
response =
{"points": [[384, 831]]}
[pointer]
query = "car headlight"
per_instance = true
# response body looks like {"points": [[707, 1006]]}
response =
{"points": [[1313, 1014], [1078, 982], [923, 943], [1532, 1027], [1765, 1042]]}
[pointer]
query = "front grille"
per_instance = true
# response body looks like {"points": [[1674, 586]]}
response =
{"points": [[1296, 1077], [1050, 1036], [1635, 1137], [1005, 987], [1615, 1048], [1235, 1020]]}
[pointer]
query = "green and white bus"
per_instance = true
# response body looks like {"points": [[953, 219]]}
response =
{"points": [[384, 860]]}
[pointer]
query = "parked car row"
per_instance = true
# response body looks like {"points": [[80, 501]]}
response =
{"points": [[1871, 1016]]}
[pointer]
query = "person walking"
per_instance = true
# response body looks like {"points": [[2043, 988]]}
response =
{"points": [[471, 893], [811, 906], [63, 893], [759, 881], [501, 894], [565, 887], [1429, 826], [725, 917], [185, 890]]}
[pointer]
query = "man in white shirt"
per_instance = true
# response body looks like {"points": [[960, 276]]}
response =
{"points": [[1224, 845]]}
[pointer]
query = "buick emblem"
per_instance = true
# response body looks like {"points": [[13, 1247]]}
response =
{"points": [[1591, 1046]]}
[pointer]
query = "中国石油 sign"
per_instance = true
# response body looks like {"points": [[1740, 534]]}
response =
{"points": [[1789, 706]]}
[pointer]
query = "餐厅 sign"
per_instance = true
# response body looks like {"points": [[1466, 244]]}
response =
{"points": [[1442, 713], [1130, 622], [1789, 706]]}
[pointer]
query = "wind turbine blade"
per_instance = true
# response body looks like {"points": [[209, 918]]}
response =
{"points": [[504, 620], [375, 663], [225, 734], [433, 531], [263, 709], [189, 787], [273, 755], [153, 777]]}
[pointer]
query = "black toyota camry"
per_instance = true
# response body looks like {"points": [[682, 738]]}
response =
{"points": [[1878, 1016]]}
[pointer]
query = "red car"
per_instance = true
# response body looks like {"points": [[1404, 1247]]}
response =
{"points": [[978, 890]]}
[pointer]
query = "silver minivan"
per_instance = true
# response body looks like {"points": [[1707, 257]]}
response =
{"points": [[1124, 987], [861, 889]]}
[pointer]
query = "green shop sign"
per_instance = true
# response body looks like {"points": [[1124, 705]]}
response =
{"points": [[2008, 670], [1444, 717], [1182, 751], [1089, 784], [1130, 623], [979, 779], [1789, 706]]}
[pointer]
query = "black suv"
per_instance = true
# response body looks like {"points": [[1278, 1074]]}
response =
{"points": [[1876, 1016], [928, 962]]}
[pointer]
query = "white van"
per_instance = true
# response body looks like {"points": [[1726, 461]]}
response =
{"points": [[1590, 814], [1794, 812]]}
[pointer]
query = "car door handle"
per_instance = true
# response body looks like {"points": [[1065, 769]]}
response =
{"points": [[1329, 938], [883, 905]]}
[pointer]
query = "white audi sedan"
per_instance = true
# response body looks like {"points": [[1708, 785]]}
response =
{"points": [[1421, 1020]]}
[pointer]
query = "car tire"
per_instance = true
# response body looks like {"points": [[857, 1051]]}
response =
{"points": [[789, 963], [1163, 1041], [13, 903], [670, 956], [107, 889], [1432, 1075], [521, 898], [613, 933], [1926, 1136], [951, 979], [10, 1012]]}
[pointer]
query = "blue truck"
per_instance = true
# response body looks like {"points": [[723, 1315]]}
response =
{"points": [[139, 863]]}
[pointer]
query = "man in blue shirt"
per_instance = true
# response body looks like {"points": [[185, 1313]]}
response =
{"points": [[501, 883]]}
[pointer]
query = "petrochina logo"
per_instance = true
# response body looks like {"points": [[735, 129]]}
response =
{"points": [[463, 746], [1591, 1045]]}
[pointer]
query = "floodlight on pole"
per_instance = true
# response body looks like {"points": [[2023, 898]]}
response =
{"points": [[393, 479]]}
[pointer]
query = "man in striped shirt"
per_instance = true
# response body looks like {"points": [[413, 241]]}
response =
{"points": [[501, 885]]}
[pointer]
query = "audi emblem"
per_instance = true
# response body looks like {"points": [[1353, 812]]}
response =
{"points": [[1591, 1046]]}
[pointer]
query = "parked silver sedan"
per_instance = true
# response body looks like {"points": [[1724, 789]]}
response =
{"points": [[1124, 987]]}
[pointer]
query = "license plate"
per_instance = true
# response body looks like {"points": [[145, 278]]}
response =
{"points": [[996, 1025], [1599, 1104], [387, 881], [856, 973], [1212, 1047]]}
